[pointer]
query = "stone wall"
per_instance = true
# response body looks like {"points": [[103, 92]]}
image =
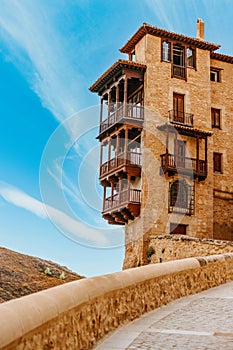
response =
{"points": [[213, 198], [159, 89], [172, 247], [223, 215], [76, 315]]}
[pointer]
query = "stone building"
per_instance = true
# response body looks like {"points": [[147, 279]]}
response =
{"points": [[166, 139]]}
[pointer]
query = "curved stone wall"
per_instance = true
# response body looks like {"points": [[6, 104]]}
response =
{"points": [[77, 314]]}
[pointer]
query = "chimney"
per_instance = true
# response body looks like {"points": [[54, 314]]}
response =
{"points": [[200, 29]]}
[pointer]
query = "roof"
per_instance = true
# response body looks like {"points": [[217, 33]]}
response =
{"points": [[186, 130], [149, 29], [221, 57], [113, 70]]}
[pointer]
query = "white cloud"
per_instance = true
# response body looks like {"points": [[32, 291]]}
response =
{"points": [[21, 199], [71, 227], [40, 47]]}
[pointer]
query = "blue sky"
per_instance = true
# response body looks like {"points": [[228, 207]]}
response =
{"points": [[50, 53]]}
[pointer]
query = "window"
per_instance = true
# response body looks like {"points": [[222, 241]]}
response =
{"points": [[178, 108], [179, 194], [166, 51], [215, 74], [217, 162], [178, 229], [178, 67], [181, 197], [180, 150], [190, 57], [132, 56], [215, 117], [178, 55]]}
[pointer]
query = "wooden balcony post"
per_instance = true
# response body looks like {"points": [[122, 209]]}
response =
{"points": [[117, 99], [117, 147], [109, 105], [126, 144], [129, 179], [206, 154], [101, 153], [109, 152], [197, 156], [175, 151], [112, 192], [104, 200], [166, 156], [101, 110], [120, 189], [125, 96]]}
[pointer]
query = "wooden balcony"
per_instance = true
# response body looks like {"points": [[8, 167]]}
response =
{"points": [[177, 117], [172, 164], [126, 162], [121, 207], [129, 114]]}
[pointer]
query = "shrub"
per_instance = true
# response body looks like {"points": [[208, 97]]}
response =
{"points": [[150, 252], [62, 276], [47, 271]]}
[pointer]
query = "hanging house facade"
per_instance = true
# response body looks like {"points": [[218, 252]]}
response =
{"points": [[166, 139]]}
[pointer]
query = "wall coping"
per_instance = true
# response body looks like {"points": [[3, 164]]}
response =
{"points": [[23, 315], [191, 239]]}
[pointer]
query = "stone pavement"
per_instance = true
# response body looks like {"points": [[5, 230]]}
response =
{"points": [[202, 321]]}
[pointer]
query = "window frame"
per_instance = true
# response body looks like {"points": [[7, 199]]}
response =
{"points": [[163, 51], [193, 57], [175, 227], [216, 72], [216, 118], [169, 58], [178, 51], [181, 197], [217, 163]]}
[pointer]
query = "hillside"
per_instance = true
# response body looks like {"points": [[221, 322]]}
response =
{"points": [[23, 274]]}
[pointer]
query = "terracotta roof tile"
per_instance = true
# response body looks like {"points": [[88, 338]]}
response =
{"points": [[117, 66], [149, 29], [190, 130], [221, 57]]}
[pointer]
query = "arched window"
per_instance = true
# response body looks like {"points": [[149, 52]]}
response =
{"points": [[179, 195]]}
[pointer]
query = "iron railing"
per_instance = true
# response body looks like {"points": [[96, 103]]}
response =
{"points": [[180, 117]]}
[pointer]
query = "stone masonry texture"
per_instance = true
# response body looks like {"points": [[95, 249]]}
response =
{"points": [[103, 303]]}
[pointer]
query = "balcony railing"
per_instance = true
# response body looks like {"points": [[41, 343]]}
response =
{"points": [[128, 112], [178, 71], [128, 158], [174, 164], [180, 117], [122, 199]]}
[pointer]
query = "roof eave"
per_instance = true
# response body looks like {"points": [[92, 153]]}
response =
{"points": [[114, 68], [149, 29], [221, 57]]}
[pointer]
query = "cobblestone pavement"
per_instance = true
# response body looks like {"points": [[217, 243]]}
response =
{"points": [[203, 321]]}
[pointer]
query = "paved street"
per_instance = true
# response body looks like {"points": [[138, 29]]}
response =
{"points": [[203, 321]]}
